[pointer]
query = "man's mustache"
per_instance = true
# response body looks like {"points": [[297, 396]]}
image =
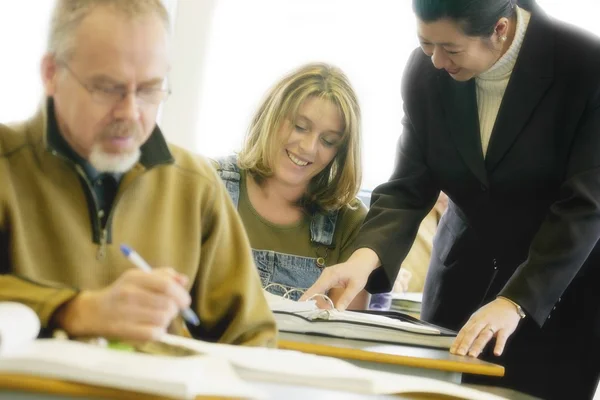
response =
{"points": [[122, 129]]}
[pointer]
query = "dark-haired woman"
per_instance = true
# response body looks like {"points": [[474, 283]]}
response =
{"points": [[502, 113]]}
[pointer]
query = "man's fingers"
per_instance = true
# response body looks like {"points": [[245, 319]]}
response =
{"points": [[182, 279], [162, 283], [152, 317], [136, 296], [127, 331]]}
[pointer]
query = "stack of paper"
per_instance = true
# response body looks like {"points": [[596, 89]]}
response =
{"points": [[409, 302], [278, 303]]}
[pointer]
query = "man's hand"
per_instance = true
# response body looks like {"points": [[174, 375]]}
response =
{"points": [[138, 306], [496, 319], [351, 276]]}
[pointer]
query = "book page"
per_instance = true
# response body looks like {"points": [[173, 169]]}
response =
{"points": [[378, 320], [386, 382], [286, 366], [19, 324], [309, 309], [415, 297], [176, 377], [282, 366], [278, 303]]}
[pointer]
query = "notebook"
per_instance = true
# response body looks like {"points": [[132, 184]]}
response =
{"points": [[409, 302], [378, 326], [176, 377]]}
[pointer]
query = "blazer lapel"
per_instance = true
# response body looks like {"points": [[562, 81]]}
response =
{"points": [[460, 105], [530, 79]]}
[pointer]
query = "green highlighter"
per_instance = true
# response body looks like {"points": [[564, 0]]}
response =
{"points": [[117, 345]]}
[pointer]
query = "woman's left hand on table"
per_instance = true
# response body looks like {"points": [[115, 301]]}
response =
{"points": [[497, 319]]}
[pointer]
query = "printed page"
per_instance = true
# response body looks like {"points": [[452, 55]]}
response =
{"points": [[19, 325], [286, 366], [386, 382], [416, 297], [278, 303], [309, 309], [378, 320], [283, 366], [289, 322], [177, 377]]}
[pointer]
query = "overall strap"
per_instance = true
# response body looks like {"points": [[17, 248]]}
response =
{"points": [[229, 172], [322, 225], [322, 228]]}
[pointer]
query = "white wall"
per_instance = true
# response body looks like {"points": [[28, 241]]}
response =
{"points": [[226, 53], [191, 29], [23, 33], [252, 44]]}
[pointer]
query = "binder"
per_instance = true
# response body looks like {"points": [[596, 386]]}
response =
{"points": [[377, 326]]}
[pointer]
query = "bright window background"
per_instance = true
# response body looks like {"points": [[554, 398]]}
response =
{"points": [[252, 44], [23, 34], [247, 46], [23, 38]]}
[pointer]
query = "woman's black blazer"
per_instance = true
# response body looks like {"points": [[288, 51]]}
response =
{"points": [[524, 221]]}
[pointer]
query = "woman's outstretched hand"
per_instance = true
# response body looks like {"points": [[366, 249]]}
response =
{"points": [[351, 276]]}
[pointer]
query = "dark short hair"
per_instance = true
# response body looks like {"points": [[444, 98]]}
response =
{"points": [[476, 17]]}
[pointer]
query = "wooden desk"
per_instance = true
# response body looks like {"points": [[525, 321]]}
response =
{"points": [[272, 390], [409, 360], [51, 390]]}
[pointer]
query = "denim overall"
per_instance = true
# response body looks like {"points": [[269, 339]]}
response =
{"points": [[283, 273]]}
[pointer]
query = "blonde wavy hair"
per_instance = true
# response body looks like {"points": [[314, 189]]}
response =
{"points": [[68, 14], [338, 184]]}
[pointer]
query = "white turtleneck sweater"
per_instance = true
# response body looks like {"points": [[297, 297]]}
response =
{"points": [[491, 84]]}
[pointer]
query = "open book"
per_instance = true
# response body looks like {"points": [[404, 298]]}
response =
{"points": [[291, 367], [200, 368], [175, 377], [380, 326]]}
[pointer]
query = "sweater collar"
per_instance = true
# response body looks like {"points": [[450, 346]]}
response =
{"points": [[504, 66], [155, 151]]}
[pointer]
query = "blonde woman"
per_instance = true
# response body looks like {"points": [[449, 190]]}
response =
{"points": [[296, 178]]}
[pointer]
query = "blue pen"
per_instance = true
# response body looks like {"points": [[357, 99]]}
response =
{"points": [[188, 314]]}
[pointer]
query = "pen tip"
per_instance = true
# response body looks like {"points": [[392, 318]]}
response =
{"points": [[125, 250], [191, 316]]}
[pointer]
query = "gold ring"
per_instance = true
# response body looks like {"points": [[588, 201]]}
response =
{"points": [[492, 330]]}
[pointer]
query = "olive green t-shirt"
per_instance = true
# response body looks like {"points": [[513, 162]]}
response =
{"points": [[295, 238]]}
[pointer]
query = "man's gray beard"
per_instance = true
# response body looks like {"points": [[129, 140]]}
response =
{"points": [[113, 163]]}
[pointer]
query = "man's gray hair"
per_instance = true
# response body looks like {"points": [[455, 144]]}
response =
{"points": [[68, 14]]}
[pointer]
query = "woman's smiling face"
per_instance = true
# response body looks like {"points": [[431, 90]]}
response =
{"points": [[310, 142]]}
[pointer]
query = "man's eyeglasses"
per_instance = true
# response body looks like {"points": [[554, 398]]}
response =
{"points": [[110, 95]]}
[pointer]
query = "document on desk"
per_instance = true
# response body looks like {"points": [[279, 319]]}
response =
{"points": [[409, 302], [72, 361], [291, 367], [199, 369], [388, 327]]}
